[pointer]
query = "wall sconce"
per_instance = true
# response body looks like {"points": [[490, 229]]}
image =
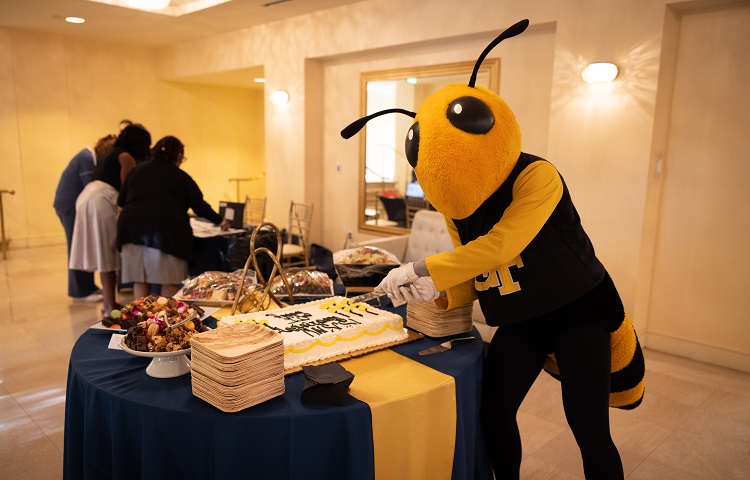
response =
{"points": [[279, 97], [599, 72]]}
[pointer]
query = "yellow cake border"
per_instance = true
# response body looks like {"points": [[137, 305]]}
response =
{"points": [[411, 335]]}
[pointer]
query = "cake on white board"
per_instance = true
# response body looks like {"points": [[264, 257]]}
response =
{"points": [[326, 328]]}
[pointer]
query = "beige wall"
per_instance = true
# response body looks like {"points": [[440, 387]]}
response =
{"points": [[599, 138], [59, 94]]}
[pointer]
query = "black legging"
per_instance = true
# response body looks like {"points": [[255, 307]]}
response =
{"points": [[514, 360]]}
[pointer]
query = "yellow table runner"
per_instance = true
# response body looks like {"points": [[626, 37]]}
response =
{"points": [[413, 415], [413, 411]]}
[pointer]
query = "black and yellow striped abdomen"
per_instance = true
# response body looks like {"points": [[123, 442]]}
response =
{"points": [[627, 384]]}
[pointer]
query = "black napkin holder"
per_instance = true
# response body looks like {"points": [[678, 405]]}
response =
{"points": [[326, 384]]}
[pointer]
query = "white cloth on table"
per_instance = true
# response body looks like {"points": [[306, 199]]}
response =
{"points": [[94, 245]]}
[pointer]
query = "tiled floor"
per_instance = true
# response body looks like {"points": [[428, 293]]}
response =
{"points": [[693, 424]]}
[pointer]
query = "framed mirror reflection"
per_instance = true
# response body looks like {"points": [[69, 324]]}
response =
{"points": [[389, 192]]}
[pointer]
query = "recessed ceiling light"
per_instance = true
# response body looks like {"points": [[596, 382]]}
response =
{"points": [[259, 80], [175, 8], [75, 19], [148, 4]]}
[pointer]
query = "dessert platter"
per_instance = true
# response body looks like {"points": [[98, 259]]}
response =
{"points": [[214, 288], [363, 267], [163, 364], [121, 319], [303, 283], [159, 328]]}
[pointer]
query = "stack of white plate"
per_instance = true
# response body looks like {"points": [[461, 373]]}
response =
{"points": [[237, 366], [427, 318]]}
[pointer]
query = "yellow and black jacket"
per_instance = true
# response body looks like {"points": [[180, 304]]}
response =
{"points": [[541, 260]]}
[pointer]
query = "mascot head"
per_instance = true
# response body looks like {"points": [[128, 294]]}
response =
{"points": [[464, 141]]}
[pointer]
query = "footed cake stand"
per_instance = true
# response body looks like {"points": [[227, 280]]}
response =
{"points": [[163, 364]]}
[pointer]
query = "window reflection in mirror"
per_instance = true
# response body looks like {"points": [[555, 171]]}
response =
{"points": [[389, 191]]}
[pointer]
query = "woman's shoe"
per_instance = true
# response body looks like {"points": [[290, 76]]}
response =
{"points": [[95, 297]]}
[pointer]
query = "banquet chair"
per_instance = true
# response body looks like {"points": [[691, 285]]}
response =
{"points": [[428, 236], [255, 211], [296, 247], [413, 205]]}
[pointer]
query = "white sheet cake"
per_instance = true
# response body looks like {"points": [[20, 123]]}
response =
{"points": [[326, 328]]}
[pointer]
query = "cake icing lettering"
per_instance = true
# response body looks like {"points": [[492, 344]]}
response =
{"points": [[304, 323]]}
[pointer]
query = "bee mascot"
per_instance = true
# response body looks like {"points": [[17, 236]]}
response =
{"points": [[521, 250]]}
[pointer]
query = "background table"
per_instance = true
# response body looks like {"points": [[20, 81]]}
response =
{"points": [[121, 423], [228, 252]]}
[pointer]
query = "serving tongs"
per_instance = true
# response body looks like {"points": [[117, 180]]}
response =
{"points": [[192, 316]]}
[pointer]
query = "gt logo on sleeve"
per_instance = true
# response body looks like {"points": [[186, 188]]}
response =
{"points": [[500, 278]]}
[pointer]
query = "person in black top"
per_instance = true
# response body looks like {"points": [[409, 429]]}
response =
{"points": [[94, 246], [131, 148], [153, 231]]}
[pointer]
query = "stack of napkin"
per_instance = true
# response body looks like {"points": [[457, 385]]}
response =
{"points": [[326, 384], [427, 318], [237, 366]]}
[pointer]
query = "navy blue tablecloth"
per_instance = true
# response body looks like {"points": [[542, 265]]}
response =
{"points": [[122, 424]]}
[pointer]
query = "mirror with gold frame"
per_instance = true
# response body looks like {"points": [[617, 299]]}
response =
{"points": [[389, 193]]}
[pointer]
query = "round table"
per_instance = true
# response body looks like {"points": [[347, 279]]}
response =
{"points": [[122, 424]]}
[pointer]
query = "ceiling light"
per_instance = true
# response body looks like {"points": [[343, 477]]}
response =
{"points": [[599, 72], [149, 4], [259, 80], [176, 8], [75, 19]]}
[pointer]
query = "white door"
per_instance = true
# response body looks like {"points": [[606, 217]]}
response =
{"points": [[700, 298]]}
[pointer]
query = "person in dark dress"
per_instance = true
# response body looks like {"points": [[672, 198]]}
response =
{"points": [[153, 230]]}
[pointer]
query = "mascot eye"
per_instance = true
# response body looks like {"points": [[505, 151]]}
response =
{"points": [[412, 145], [470, 115]]}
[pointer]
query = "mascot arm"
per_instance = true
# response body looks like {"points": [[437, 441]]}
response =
{"points": [[536, 193], [462, 293], [457, 295]]}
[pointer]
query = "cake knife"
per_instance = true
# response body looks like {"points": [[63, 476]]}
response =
{"points": [[367, 296], [376, 294], [443, 346]]}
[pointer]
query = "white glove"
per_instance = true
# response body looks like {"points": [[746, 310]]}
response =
{"points": [[397, 278], [423, 289]]}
